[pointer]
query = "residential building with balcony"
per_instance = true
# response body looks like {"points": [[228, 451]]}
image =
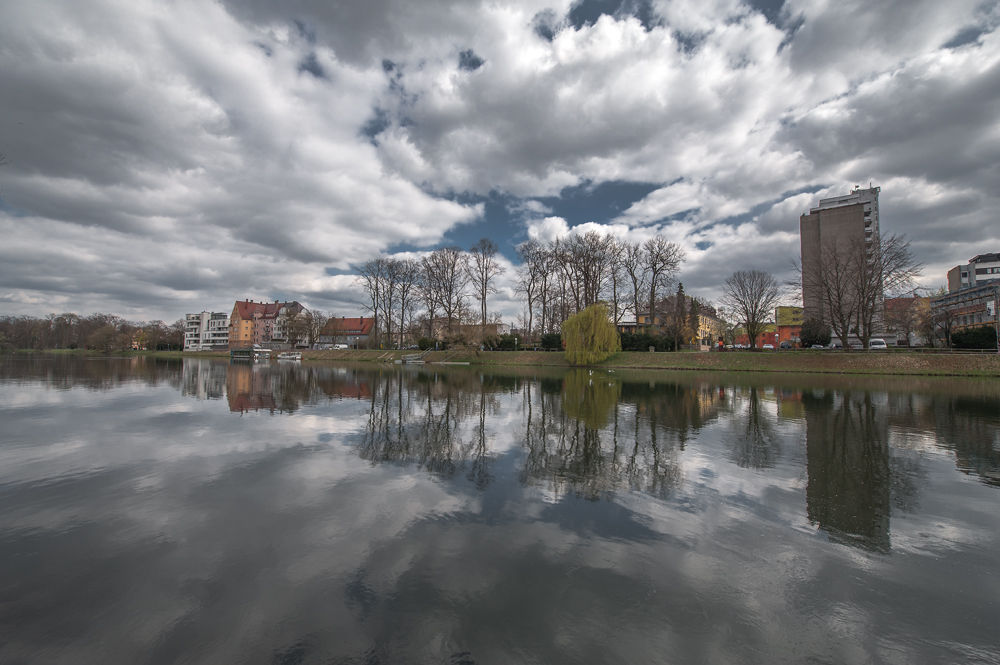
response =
{"points": [[262, 323], [980, 269], [206, 331]]}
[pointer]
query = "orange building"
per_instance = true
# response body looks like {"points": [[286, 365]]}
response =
{"points": [[789, 320], [767, 337], [259, 322]]}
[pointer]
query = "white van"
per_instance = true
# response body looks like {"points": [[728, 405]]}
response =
{"points": [[877, 345], [340, 347]]}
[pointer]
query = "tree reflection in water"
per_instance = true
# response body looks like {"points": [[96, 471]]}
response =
{"points": [[754, 444], [592, 433]]}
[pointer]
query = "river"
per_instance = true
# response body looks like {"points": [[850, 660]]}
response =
{"points": [[196, 511]]}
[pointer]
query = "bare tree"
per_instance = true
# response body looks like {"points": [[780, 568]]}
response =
{"points": [[408, 273], [662, 261], [634, 266], [483, 268], [850, 280], [445, 268], [885, 265], [530, 278], [379, 277], [750, 296], [903, 316], [831, 279]]}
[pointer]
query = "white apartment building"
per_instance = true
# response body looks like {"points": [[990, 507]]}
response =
{"points": [[206, 331], [980, 269]]}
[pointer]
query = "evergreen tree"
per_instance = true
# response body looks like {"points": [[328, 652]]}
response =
{"points": [[694, 321], [679, 322]]}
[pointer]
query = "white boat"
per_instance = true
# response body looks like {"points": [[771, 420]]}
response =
{"points": [[290, 355]]}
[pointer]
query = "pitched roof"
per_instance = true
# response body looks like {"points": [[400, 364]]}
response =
{"points": [[348, 326], [245, 309]]}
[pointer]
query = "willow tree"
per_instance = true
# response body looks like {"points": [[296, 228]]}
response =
{"points": [[590, 336]]}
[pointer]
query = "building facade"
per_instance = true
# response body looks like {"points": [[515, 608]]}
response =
{"points": [[789, 324], [262, 323], [839, 224], [355, 332], [967, 308], [206, 331], [980, 269]]}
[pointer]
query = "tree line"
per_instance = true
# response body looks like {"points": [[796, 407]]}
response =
{"points": [[448, 290], [105, 332]]}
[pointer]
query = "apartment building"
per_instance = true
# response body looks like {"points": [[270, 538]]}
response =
{"points": [[262, 323], [837, 223], [206, 331], [980, 269]]}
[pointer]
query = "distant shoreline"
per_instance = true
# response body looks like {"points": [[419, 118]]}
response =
{"points": [[892, 363]]}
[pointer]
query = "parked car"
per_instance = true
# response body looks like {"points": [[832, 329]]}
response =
{"points": [[818, 346], [785, 345], [768, 346], [877, 345], [340, 347]]}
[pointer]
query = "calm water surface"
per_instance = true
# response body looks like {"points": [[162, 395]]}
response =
{"points": [[200, 512]]}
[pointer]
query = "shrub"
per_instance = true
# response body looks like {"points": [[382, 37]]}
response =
{"points": [[551, 341], [983, 337], [814, 331], [642, 341], [425, 343]]}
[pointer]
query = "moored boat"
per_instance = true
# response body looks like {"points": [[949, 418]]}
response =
{"points": [[253, 353]]}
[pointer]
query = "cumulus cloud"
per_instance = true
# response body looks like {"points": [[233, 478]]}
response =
{"points": [[168, 158]]}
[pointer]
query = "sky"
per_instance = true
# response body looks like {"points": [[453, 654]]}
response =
{"points": [[173, 156]]}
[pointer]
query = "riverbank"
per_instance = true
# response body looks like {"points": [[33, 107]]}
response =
{"points": [[898, 363]]}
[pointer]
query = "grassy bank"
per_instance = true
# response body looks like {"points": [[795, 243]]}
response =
{"points": [[811, 362], [898, 363]]}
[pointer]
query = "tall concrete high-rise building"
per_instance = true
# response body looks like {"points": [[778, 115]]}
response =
{"points": [[839, 223]]}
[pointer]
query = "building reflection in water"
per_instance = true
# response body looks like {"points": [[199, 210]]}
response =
{"points": [[848, 491], [273, 387], [595, 433]]}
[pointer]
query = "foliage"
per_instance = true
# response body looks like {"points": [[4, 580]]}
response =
{"points": [[642, 341], [508, 342], [589, 398], [983, 337], [590, 337], [814, 331], [425, 343], [551, 341]]}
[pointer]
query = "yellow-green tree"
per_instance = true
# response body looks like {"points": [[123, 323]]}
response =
{"points": [[590, 337]]}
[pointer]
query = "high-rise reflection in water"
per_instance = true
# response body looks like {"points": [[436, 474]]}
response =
{"points": [[400, 514], [970, 426], [847, 443], [594, 433]]}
